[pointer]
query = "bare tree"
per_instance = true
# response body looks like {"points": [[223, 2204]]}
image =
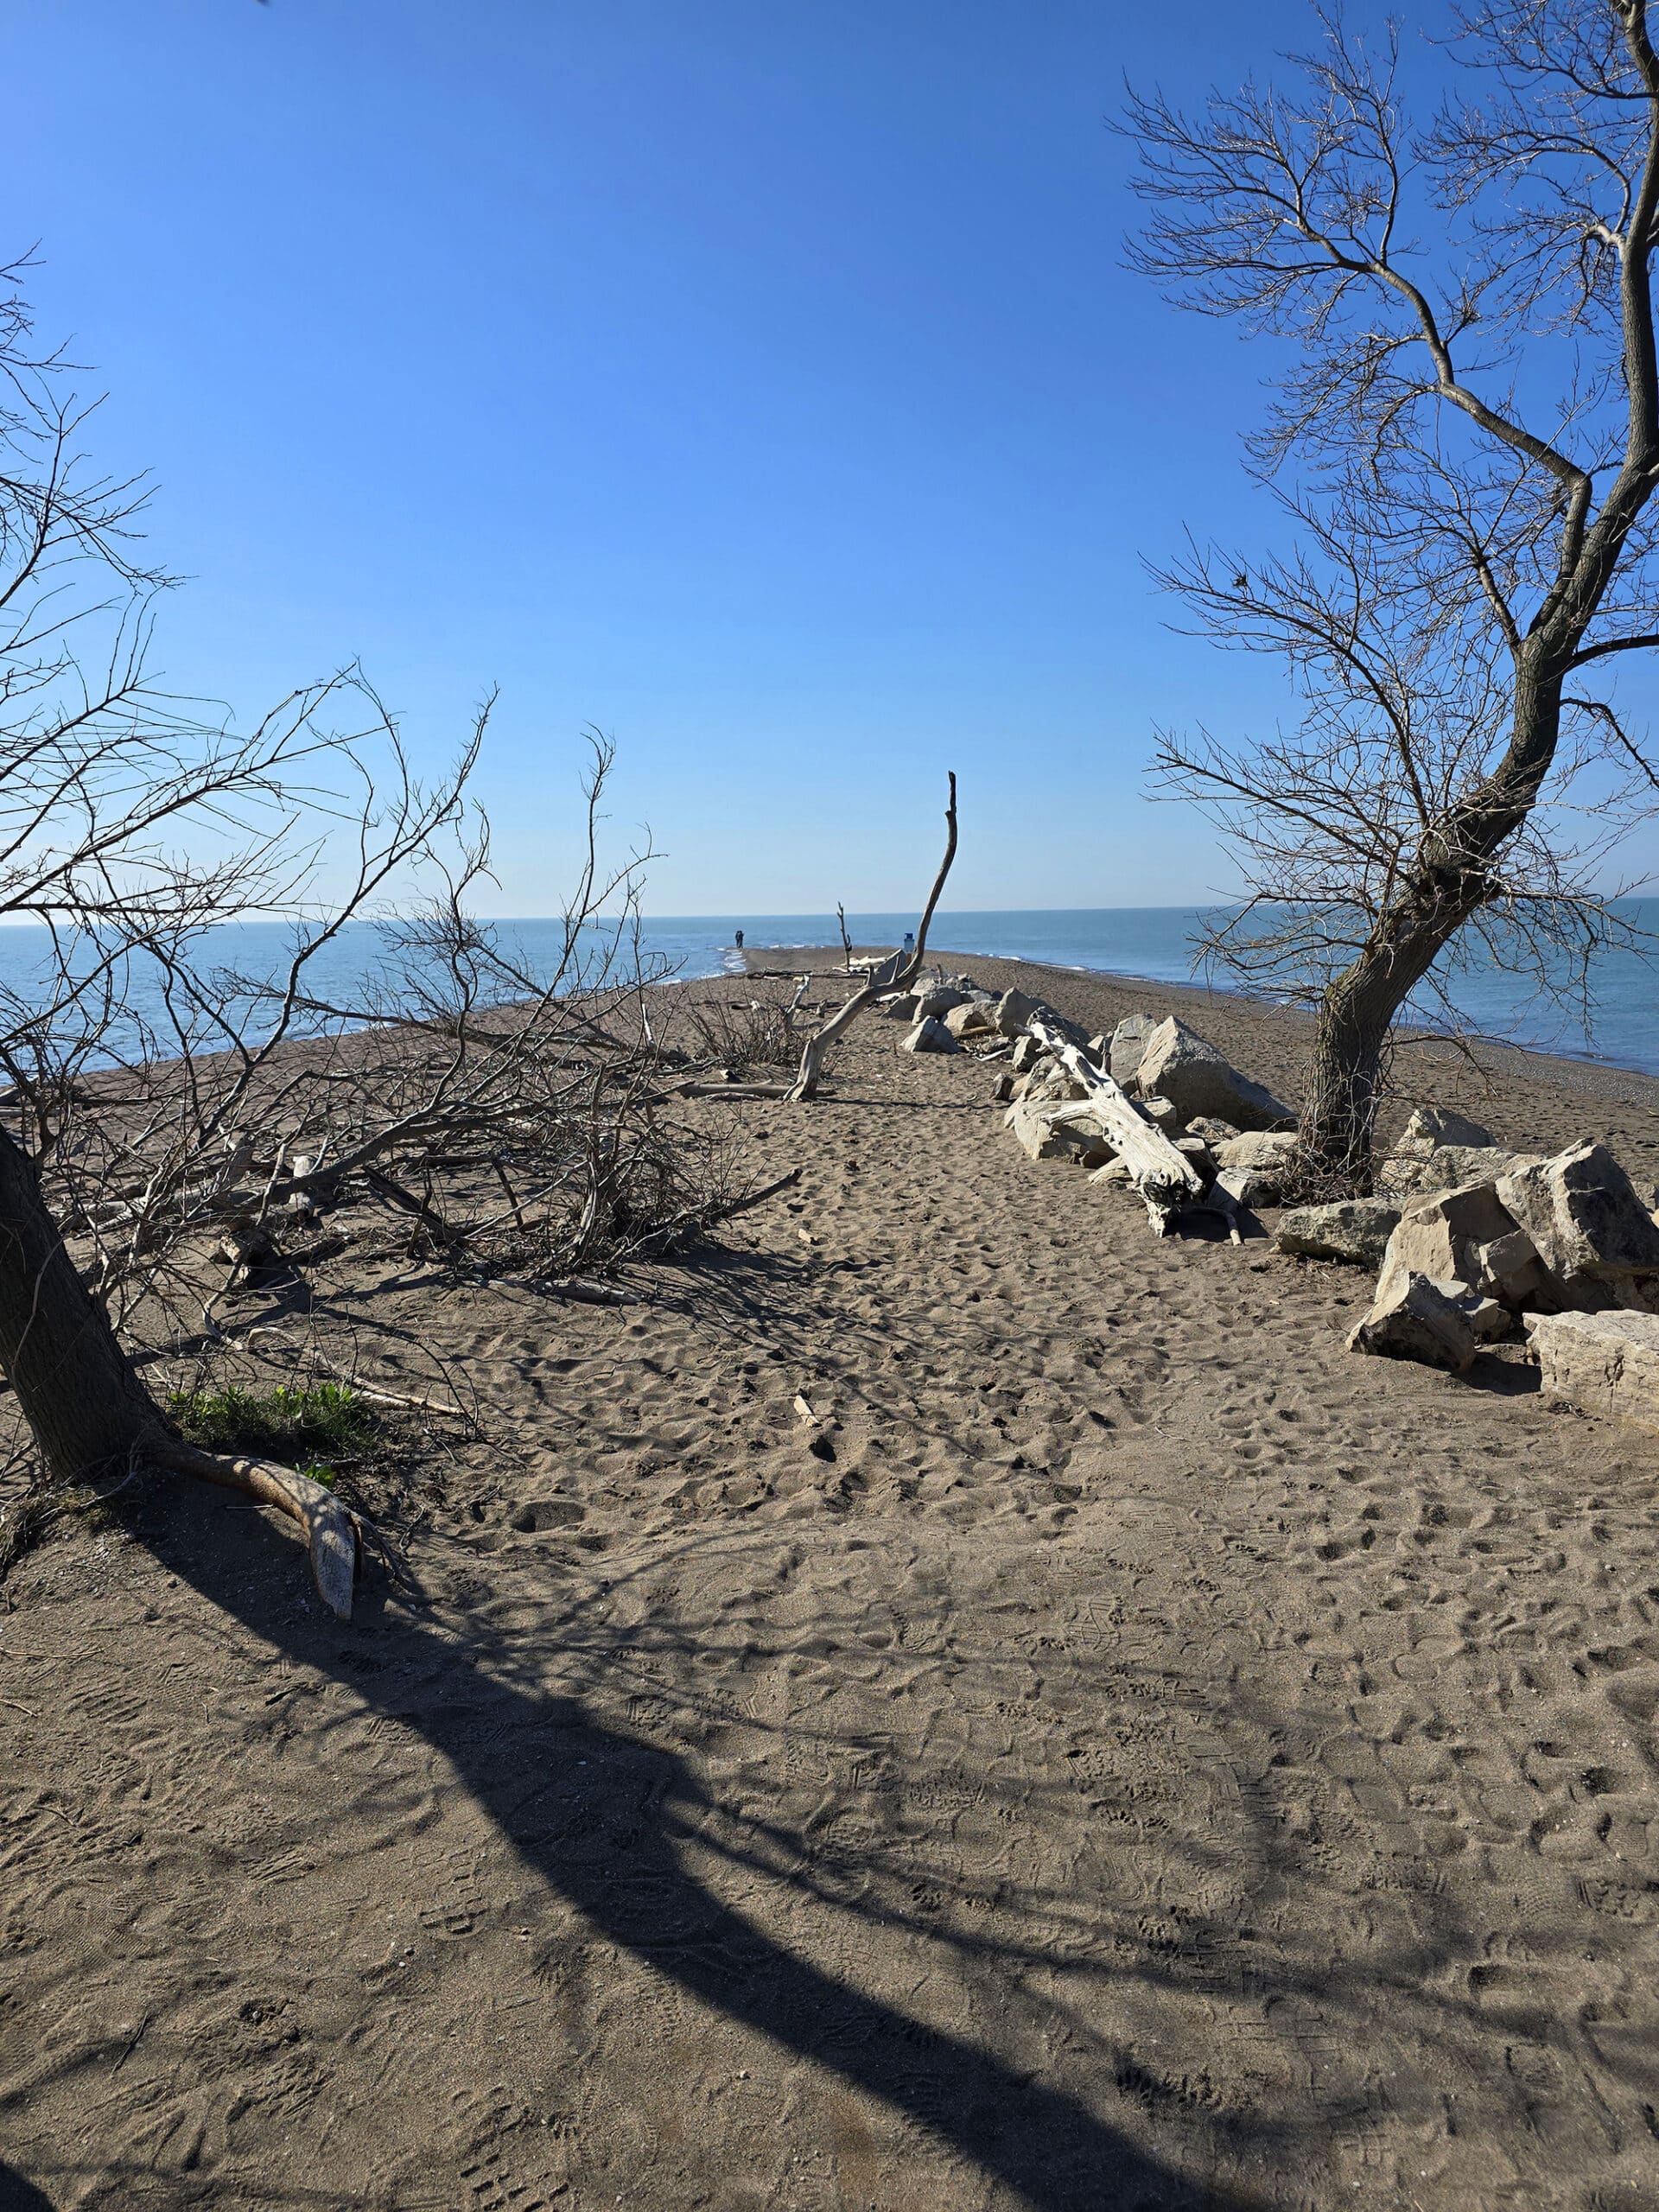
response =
{"points": [[894, 974], [1466, 444], [168, 1113]]}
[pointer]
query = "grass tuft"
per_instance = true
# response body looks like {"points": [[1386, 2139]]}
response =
{"points": [[305, 1428]]}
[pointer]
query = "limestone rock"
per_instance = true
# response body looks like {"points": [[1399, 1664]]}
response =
{"points": [[1129, 1043], [1356, 1229], [1263, 1149], [1212, 1131], [933, 1004], [1181, 1066], [903, 1009], [929, 1036], [1605, 1363], [1591, 1229], [1027, 1053], [1163, 1111], [1002, 1089], [1249, 1187], [970, 1020], [1440, 1125], [1414, 1319], [1015, 1009], [1445, 1167], [1466, 1236]]}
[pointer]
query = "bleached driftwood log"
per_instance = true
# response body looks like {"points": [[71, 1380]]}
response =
{"points": [[1166, 1179], [894, 974]]}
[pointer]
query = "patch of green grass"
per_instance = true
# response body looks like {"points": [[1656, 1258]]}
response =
{"points": [[299, 1427]]}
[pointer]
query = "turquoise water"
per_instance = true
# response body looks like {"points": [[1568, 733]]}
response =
{"points": [[1150, 941]]}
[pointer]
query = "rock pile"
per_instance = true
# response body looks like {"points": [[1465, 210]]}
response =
{"points": [[1473, 1243], [1562, 1247]]}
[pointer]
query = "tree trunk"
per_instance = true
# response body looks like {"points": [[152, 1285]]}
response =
{"points": [[1450, 881], [89, 1414]]}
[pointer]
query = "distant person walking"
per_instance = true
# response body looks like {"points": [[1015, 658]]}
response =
{"points": [[739, 935]]}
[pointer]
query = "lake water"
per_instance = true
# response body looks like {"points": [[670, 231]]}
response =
{"points": [[1150, 941]]}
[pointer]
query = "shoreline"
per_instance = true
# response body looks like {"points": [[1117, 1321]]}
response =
{"points": [[1572, 1072]]}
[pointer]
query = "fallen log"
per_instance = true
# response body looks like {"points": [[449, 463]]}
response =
{"points": [[1166, 1179]]}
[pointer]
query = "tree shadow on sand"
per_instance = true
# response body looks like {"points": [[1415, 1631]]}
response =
{"points": [[605, 1819]]}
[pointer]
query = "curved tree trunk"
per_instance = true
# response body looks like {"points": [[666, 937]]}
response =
{"points": [[88, 1412], [1448, 884]]}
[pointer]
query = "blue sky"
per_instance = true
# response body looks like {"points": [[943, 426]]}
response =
{"points": [[755, 379]]}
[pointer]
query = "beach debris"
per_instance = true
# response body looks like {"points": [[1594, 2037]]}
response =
{"points": [[1604, 1364], [1062, 1131], [803, 1409], [1199, 1153], [1592, 1231], [1128, 1043], [1180, 1066], [1414, 1319], [929, 1036], [1353, 1229], [1166, 1179], [898, 972]]}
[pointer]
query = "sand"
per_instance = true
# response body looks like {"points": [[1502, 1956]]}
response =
{"points": [[1133, 1753]]}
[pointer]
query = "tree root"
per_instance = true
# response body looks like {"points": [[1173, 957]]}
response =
{"points": [[330, 1531]]}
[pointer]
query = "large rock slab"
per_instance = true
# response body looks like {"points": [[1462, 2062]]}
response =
{"points": [[1415, 1319], [929, 1036], [1356, 1229], [1445, 1167], [933, 1004], [1605, 1363], [972, 1019], [1465, 1236], [1015, 1009], [1128, 1043], [1264, 1149], [1180, 1066], [1591, 1229], [1440, 1125], [1249, 1187]]}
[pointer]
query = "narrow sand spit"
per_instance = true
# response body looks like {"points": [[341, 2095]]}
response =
{"points": [[1132, 1752]]}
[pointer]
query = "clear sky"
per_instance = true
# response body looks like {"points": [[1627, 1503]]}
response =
{"points": [[753, 378]]}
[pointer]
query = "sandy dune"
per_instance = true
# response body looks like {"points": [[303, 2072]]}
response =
{"points": [[1133, 1753]]}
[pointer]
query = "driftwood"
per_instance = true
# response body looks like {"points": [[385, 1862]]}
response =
{"points": [[330, 1531], [893, 975], [1166, 1179]]}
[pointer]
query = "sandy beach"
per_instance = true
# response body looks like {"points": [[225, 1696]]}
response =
{"points": [[1114, 1748]]}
